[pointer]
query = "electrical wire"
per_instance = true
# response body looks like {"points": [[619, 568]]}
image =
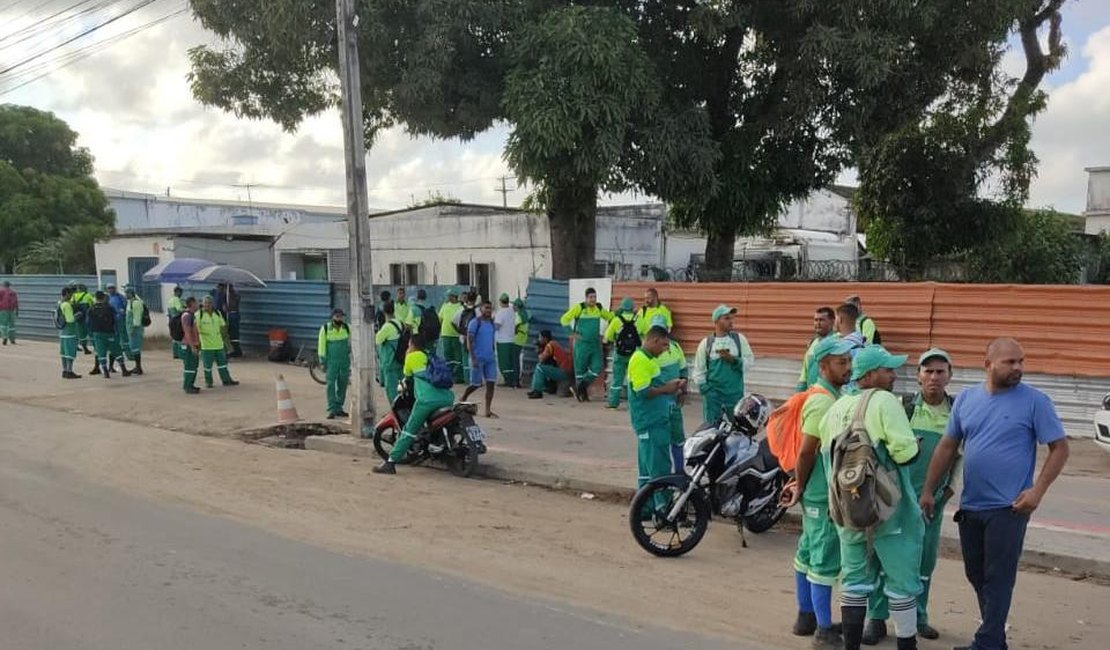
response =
{"points": [[51, 22]]}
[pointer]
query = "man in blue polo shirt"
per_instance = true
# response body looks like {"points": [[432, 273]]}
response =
{"points": [[1000, 424]]}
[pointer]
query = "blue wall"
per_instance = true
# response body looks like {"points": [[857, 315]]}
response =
{"points": [[38, 297], [546, 302]]}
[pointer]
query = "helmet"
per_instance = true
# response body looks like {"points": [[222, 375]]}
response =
{"points": [[751, 413]]}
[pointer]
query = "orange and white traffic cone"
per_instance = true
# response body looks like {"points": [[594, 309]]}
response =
{"points": [[286, 412]]}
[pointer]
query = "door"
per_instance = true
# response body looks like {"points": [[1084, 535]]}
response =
{"points": [[150, 292], [316, 268]]}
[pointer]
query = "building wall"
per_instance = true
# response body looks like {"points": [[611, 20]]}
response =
{"points": [[1098, 200], [308, 238], [630, 238], [822, 210], [254, 256], [136, 211]]}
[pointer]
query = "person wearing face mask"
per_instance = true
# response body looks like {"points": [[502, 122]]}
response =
{"points": [[333, 348]]}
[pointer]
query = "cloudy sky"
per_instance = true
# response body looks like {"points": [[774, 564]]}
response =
{"points": [[130, 102]]}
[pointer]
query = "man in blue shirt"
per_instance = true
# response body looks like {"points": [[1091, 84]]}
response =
{"points": [[1000, 424], [480, 334]]}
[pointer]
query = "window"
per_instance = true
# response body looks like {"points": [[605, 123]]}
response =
{"points": [[244, 220], [150, 292], [404, 275], [462, 275], [476, 276]]}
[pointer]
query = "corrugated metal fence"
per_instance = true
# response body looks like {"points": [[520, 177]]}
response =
{"points": [[38, 297], [546, 303]]}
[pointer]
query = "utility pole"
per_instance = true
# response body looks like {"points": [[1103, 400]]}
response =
{"points": [[504, 190], [358, 223]]}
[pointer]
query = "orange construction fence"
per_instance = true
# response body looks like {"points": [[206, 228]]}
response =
{"points": [[1065, 330]]}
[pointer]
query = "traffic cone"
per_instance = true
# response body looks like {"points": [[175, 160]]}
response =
{"points": [[286, 412]]}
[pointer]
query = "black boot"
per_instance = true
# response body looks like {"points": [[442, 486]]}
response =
{"points": [[805, 624], [853, 618], [123, 369], [96, 369], [138, 366], [387, 467], [826, 638], [873, 632], [926, 631], [907, 644]]}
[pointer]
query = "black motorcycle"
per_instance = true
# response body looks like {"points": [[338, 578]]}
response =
{"points": [[728, 473], [450, 434]]}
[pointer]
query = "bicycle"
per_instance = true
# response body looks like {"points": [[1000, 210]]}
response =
{"points": [[307, 358]]}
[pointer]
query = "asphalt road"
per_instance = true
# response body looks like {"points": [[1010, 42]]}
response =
{"points": [[87, 567]]}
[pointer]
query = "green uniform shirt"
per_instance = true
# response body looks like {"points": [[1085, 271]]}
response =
{"points": [[672, 363], [387, 339], [648, 314], [402, 310], [334, 343], [813, 413], [447, 315], [615, 325], [177, 306], [69, 317], [586, 321], [928, 423], [415, 314], [866, 325], [521, 336], [210, 326], [893, 438], [810, 369], [135, 312], [647, 412], [416, 362]]}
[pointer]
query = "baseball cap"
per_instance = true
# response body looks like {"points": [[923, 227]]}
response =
{"points": [[504, 297], [722, 310], [933, 353], [452, 293], [517, 302], [873, 357], [831, 345], [339, 311], [659, 320], [627, 304]]}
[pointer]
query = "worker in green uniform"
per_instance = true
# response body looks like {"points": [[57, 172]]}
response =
{"points": [[135, 327], [190, 346], [585, 323], [176, 308], [817, 560], [333, 349], [824, 320], [865, 325], [651, 309], [402, 308], [210, 326], [82, 300], [672, 365], [102, 324], [121, 347], [429, 399], [67, 335], [719, 365], [623, 336], [928, 411], [450, 347], [650, 400], [417, 310], [9, 309], [891, 549], [520, 338], [387, 339]]}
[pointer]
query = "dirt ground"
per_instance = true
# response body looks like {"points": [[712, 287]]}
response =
{"points": [[518, 538]]}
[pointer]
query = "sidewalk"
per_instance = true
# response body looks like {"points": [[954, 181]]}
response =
{"points": [[553, 442]]}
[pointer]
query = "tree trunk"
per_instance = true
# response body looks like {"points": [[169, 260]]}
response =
{"points": [[572, 215], [720, 248]]}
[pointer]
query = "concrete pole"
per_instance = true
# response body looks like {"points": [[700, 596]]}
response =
{"points": [[363, 415]]}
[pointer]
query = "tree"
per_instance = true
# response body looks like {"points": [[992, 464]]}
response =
{"points": [[46, 187], [1041, 248], [952, 179]]}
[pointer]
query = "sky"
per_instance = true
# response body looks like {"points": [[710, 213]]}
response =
{"points": [[130, 102]]}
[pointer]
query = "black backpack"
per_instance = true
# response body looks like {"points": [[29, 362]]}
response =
{"points": [[146, 316], [467, 315], [101, 318], [429, 326], [628, 339], [177, 330], [402, 342]]}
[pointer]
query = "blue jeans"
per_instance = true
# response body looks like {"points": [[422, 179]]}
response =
{"points": [[991, 541]]}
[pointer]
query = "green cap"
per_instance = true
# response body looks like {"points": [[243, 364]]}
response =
{"points": [[659, 320], [504, 297], [831, 345], [873, 357], [518, 303], [627, 304], [452, 293], [933, 353], [722, 310]]}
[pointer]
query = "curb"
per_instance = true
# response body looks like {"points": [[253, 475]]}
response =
{"points": [[1031, 559]]}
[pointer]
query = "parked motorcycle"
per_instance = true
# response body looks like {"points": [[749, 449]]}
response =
{"points": [[728, 473], [450, 434]]}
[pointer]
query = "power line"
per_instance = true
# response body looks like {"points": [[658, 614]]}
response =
{"points": [[47, 24]]}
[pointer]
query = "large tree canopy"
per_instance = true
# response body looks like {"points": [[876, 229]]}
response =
{"points": [[46, 187]]}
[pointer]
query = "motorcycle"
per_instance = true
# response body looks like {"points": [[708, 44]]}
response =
{"points": [[450, 434], [728, 473]]}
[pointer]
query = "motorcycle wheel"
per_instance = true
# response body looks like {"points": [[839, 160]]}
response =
{"points": [[385, 438], [770, 515], [647, 518], [463, 457]]}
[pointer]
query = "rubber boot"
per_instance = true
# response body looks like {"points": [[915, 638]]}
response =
{"points": [[853, 618], [907, 644], [96, 369], [138, 366], [805, 624], [387, 467], [874, 631]]}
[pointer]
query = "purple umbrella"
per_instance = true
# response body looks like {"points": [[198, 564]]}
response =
{"points": [[176, 271]]}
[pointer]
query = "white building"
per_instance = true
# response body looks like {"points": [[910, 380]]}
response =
{"points": [[1097, 213]]}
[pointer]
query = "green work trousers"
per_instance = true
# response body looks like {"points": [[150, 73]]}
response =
{"points": [[508, 361], [102, 344], [420, 412], [818, 554], [219, 357], [339, 375], [545, 373], [653, 453], [713, 400], [878, 606], [82, 333], [587, 360], [616, 381], [452, 351], [135, 341], [391, 373], [7, 325], [67, 344], [178, 350], [896, 557], [115, 350], [191, 361], [121, 338]]}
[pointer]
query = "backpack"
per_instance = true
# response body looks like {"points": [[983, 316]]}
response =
{"points": [[101, 318], [862, 492], [146, 316], [429, 326], [709, 341], [465, 316], [402, 342], [628, 339], [437, 372], [177, 330], [59, 317], [784, 428]]}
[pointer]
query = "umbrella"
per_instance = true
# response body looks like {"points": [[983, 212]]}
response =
{"points": [[226, 274], [175, 271]]}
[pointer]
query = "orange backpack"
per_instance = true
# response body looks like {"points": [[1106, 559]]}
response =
{"points": [[784, 428]]}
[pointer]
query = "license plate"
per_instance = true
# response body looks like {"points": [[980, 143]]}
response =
{"points": [[475, 433]]}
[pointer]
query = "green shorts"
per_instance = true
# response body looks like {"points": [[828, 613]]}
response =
{"points": [[818, 553]]}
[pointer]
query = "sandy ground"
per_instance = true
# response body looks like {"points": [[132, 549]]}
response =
{"points": [[521, 539]]}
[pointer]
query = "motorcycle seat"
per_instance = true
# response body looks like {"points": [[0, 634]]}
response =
{"points": [[438, 415]]}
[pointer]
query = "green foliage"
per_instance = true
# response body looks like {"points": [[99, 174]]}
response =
{"points": [[70, 252], [1099, 259], [46, 190], [434, 198], [1042, 248]]}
